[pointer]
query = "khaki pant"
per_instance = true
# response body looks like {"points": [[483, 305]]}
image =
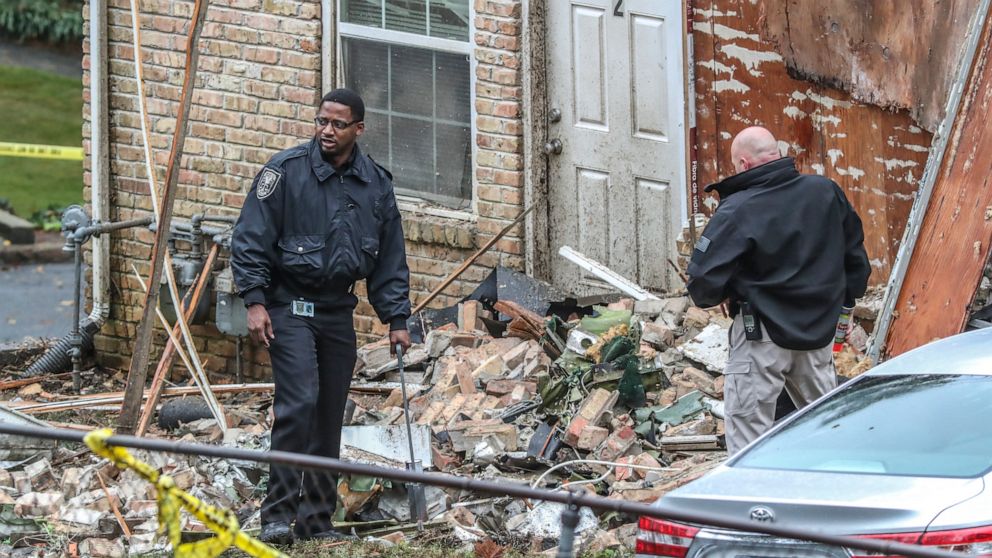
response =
{"points": [[755, 375]]}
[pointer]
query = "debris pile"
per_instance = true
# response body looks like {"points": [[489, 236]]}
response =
{"points": [[622, 398], [517, 383]]}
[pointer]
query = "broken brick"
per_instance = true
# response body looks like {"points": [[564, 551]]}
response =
{"points": [[616, 445], [500, 388], [490, 369], [696, 317], [515, 356], [657, 335], [590, 413], [591, 437]]}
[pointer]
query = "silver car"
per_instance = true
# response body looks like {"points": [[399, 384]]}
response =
{"points": [[901, 453]]}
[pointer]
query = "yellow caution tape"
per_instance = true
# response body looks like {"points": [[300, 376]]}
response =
{"points": [[40, 151], [171, 499]]}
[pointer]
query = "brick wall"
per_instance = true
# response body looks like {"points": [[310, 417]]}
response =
{"points": [[256, 87]]}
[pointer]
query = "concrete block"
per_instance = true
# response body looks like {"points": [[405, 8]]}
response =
{"points": [[15, 229]]}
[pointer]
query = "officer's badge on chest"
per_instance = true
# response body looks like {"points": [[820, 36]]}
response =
{"points": [[267, 183]]}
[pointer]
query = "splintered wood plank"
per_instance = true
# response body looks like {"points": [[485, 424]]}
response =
{"points": [[953, 243]]}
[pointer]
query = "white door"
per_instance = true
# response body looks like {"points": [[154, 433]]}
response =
{"points": [[617, 188]]}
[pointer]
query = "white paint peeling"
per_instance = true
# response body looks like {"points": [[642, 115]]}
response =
{"points": [[719, 86], [826, 102], [896, 195], [717, 67], [839, 135], [799, 96], [794, 113], [891, 164], [725, 135], [785, 148], [914, 129], [916, 148], [834, 154], [729, 33], [876, 262], [817, 168], [750, 58], [872, 212], [709, 14], [710, 203], [819, 120], [854, 172]]}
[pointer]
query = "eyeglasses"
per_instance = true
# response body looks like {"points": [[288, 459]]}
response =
{"points": [[322, 122]]}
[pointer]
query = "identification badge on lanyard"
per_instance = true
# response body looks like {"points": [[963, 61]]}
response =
{"points": [[303, 308]]}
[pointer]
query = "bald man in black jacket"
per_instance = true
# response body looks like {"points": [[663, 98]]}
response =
{"points": [[787, 251]]}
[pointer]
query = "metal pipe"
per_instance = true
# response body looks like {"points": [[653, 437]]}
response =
{"points": [[515, 490], [201, 217], [179, 226], [76, 352], [69, 350], [82, 233], [569, 522]]}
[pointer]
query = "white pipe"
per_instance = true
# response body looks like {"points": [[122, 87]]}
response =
{"points": [[99, 161], [328, 46]]}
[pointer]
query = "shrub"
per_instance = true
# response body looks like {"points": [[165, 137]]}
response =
{"points": [[54, 21]]}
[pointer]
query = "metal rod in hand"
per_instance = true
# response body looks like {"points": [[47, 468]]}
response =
{"points": [[415, 491], [406, 402]]}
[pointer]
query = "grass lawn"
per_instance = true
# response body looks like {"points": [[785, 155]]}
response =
{"points": [[44, 108]]}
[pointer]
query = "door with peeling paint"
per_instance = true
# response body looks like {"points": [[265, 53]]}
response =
{"points": [[617, 186]]}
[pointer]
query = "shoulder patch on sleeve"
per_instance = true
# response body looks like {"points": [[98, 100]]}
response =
{"points": [[703, 244], [267, 182]]}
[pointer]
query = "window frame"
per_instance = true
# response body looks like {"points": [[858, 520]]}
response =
{"points": [[407, 201]]}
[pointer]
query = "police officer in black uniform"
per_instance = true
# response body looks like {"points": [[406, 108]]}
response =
{"points": [[319, 217]]}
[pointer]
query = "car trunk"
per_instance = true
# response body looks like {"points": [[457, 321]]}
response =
{"points": [[837, 503]]}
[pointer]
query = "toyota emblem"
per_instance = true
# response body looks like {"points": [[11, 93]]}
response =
{"points": [[762, 514]]}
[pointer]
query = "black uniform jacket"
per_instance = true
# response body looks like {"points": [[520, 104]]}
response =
{"points": [[788, 243], [309, 232]]}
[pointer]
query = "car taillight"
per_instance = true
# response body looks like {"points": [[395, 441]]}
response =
{"points": [[976, 541], [664, 538]]}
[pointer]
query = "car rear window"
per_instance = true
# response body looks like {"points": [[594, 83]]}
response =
{"points": [[922, 425]]}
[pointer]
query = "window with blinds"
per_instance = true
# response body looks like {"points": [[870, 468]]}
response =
{"points": [[410, 62]]}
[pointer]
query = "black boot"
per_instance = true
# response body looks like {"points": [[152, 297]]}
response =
{"points": [[328, 535], [277, 533]]}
